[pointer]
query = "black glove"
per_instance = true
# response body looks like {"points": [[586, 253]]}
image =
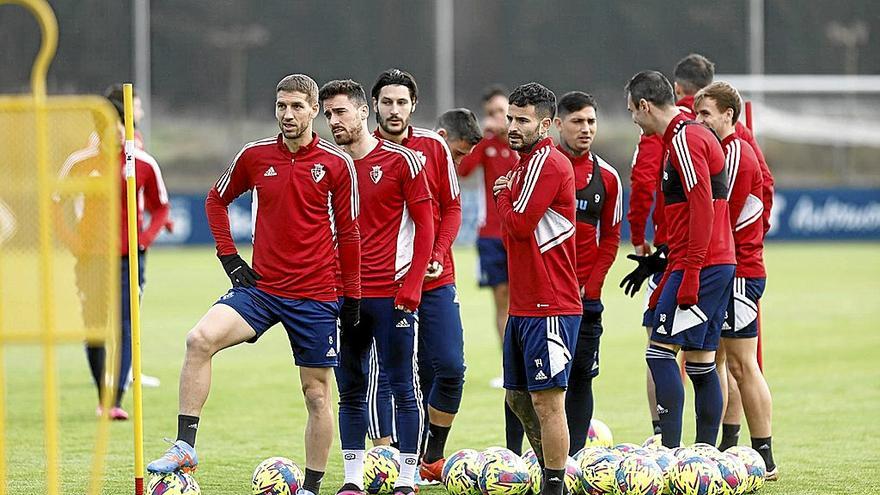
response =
{"points": [[648, 265], [350, 313], [239, 272]]}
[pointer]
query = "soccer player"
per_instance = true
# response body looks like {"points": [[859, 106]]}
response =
{"points": [[690, 301], [441, 341], [718, 106], [494, 156], [305, 202], [691, 74], [598, 212], [536, 205], [150, 188], [459, 128], [397, 235]]}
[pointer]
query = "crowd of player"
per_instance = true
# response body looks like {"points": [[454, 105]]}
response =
{"points": [[352, 254]]}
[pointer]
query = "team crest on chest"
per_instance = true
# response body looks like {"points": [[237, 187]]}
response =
{"points": [[376, 174], [318, 172], [422, 157]]}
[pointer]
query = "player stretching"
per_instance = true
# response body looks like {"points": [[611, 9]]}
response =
{"points": [[441, 340], [718, 106], [536, 204], [494, 156], [690, 301], [294, 177], [599, 210], [397, 233]]}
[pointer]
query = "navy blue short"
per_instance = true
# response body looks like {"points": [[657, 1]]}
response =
{"points": [[311, 325], [538, 351], [741, 319], [698, 327], [586, 355], [492, 261], [648, 315]]}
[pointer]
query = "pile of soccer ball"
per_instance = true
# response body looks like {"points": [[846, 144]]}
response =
{"points": [[274, 476]]}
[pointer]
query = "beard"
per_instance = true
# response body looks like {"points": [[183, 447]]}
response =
{"points": [[384, 124], [296, 133], [526, 141], [347, 136]]}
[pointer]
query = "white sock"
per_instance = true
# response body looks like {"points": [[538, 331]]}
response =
{"points": [[408, 465], [353, 464]]}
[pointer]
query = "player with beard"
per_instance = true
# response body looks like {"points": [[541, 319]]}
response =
{"points": [[536, 204], [397, 233], [441, 338], [294, 177], [598, 212]]}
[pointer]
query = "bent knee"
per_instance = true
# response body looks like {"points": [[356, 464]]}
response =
{"points": [[199, 341]]}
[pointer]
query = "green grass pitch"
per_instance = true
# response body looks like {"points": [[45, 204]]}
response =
{"points": [[822, 349]]}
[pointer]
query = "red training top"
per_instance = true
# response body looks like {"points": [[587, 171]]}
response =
{"points": [[745, 186], [495, 156], [537, 220], [304, 205]]}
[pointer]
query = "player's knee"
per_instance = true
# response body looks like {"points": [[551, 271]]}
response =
{"points": [[741, 369], [199, 342], [448, 393], [316, 395]]}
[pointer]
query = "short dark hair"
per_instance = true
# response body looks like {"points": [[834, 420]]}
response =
{"points": [[115, 95], [348, 87], [652, 86], [396, 76], [694, 73], [493, 91], [574, 101], [299, 83], [535, 94], [460, 124]]}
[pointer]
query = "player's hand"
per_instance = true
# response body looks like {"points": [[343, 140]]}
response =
{"points": [[632, 283], [435, 269], [501, 183], [688, 291], [350, 313], [238, 271], [643, 250], [169, 226]]}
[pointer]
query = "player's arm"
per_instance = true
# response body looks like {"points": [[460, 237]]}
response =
{"points": [[646, 166], [450, 205], [156, 203], [609, 235], [345, 210], [235, 181], [520, 218], [691, 161], [418, 203], [767, 188], [472, 160]]}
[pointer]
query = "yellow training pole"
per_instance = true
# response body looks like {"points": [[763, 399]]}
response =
{"points": [[134, 291]]}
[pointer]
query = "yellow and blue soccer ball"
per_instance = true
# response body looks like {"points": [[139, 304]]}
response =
{"points": [[706, 450], [696, 475], [599, 434], [461, 473], [626, 448], [277, 476], [756, 469], [176, 483], [504, 474], [684, 453], [598, 475], [666, 461], [733, 473], [381, 469], [638, 475], [587, 454], [654, 442], [536, 474], [573, 477]]}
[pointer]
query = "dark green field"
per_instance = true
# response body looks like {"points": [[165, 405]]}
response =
{"points": [[822, 351]]}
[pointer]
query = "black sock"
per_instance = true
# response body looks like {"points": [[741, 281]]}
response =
{"points": [[763, 446], [729, 436], [402, 489], [513, 430], [655, 424], [312, 482], [351, 487], [187, 426], [436, 442], [554, 481], [96, 356], [708, 402]]}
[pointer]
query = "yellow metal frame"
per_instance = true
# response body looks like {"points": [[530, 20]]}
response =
{"points": [[49, 335]]}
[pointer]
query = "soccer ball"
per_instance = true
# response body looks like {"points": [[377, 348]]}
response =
{"points": [[536, 474], [496, 452], [461, 473], [573, 477], [587, 454], [653, 442], [381, 469], [176, 483], [706, 450], [756, 469], [598, 474], [696, 476], [599, 434], [626, 448], [684, 453], [638, 475], [504, 474], [277, 476], [666, 461], [733, 473]]}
